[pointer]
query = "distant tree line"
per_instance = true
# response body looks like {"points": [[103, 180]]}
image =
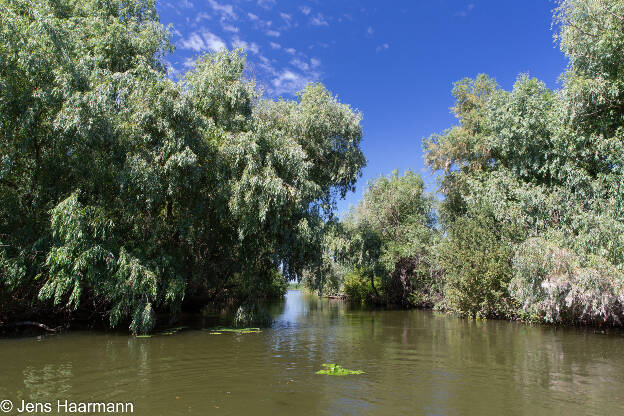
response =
{"points": [[531, 219], [125, 194]]}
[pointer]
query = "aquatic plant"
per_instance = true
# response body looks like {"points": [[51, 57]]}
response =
{"points": [[220, 330], [336, 370], [171, 331]]}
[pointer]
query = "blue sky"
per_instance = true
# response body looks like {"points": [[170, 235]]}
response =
{"points": [[395, 61]]}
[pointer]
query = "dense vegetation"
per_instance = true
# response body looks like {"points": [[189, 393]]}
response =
{"points": [[380, 251], [531, 220], [125, 194]]}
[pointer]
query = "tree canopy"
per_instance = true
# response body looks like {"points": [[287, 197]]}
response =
{"points": [[531, 223], [124, 193], [547, 167]]}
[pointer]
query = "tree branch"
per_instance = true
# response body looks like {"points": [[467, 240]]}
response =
{"points": [[29, 323], [606, 9]]}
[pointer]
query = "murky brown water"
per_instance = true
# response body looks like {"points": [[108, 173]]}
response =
{"points": [[416, 363]]}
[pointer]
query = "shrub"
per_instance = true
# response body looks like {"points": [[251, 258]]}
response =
{"points": [[553, 284], [413, 282], [358, 287], [477, 267]]}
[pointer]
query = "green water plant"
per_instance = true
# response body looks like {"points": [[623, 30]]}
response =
{"points": [[172, 331], [336, 370], [220, 330]]}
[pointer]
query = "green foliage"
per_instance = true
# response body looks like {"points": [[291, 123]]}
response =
{"points": [[535, 175], [336, 370], [124, 194], [358, 287], [221, 330], [380, 252], [477, 265], [555, 285], [326, 275], [394, 230]]}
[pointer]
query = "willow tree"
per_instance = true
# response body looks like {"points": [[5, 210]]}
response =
{"points": [[547, 167], [382, 250], [124, 193]]}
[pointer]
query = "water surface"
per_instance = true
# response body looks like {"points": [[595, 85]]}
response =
{"points": [[416, 363]]}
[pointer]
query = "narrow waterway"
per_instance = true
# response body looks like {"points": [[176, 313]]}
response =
{"points": [[416, 363]]}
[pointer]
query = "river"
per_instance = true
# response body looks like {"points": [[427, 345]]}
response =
{"points": [[415, 362]]}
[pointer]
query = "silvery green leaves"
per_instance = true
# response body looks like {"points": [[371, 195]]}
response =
{"points": [[546, 166], [124, 192]]}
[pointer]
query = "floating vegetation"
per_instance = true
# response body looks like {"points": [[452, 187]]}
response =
{"points": [[143, 336], [176, 329], [220, 330], [336, 370], [172, 331]]}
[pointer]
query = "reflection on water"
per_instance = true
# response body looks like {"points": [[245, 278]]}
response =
{"points": [[416, 362]]}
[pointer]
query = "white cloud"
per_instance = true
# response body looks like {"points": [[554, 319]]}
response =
{"points": [[189, 63], [288, 20], [194, 42], [279, 81], [267, 4], [468, 9], [382, 47], [202, 16], [226, 10], [323, 45], [278, 67], [213, 41], [304, 66], [318, 20], [285, 76], [204, 40], [266, 61], [254, 47], [289, 82], [370, 31], [299, 64], [230, 28], [251, 47]]}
